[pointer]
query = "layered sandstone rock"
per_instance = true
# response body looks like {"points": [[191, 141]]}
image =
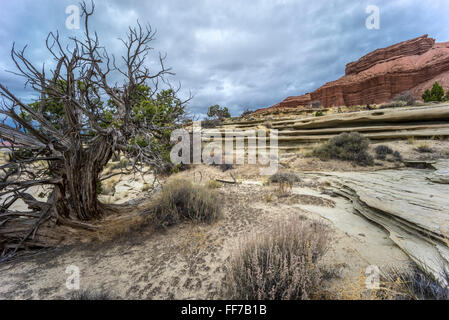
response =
{"points": [[377, 77], [399, 201]]}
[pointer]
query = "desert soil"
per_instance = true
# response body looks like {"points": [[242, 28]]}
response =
{"points": [[188, 261]]}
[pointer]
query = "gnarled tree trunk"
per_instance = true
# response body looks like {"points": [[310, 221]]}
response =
{"points": [[76, 196]]}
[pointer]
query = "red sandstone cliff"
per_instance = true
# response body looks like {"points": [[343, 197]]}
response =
{"points": [[378, 76]]}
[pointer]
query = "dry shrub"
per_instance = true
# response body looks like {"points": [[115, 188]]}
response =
{"points": [[285, 179], [268, 124], [393, 104], [383, 151], [346, 146], [406, 97], [283, 264], [211, 123], [182, 200], [354, 289], [213, 184], [415, 284], [395, 284]]}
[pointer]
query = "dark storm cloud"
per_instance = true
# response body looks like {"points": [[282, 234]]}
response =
{"points": [[240, 54]]}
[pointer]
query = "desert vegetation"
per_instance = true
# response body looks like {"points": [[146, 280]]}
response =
{"points": [[414, 284], [384, 152], [284, 264], [285, 180], [181, 200], [435, 94], [424, 148], [215, 116], [346, 146]]}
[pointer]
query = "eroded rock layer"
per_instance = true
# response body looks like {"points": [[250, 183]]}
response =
{"points": [[380, 75], [410, 208]]}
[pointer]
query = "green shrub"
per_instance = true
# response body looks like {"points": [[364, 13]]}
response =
{"points": [[283, 264], [346, 146], [99, 187], [435, 94], [319, 114], [181, 200], [218, 112]]}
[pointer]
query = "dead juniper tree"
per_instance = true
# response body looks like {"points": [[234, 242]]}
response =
{"points": [[81, 119]]}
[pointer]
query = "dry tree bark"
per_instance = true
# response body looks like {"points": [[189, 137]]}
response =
{"points": [[65, 150]]}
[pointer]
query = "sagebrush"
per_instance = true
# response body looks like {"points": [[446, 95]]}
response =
{"points": [[283, 264], [346, 146]]}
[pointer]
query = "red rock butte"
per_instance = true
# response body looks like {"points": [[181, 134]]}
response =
{"points": [[412, 65]]}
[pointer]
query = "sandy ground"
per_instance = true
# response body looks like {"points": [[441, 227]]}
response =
{"points": [[188, 261]]}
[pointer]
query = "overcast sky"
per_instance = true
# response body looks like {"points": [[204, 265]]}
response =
{"points": [[235, 53]]}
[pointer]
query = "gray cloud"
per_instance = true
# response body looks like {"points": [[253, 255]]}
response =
{"points": [[240, 54]]}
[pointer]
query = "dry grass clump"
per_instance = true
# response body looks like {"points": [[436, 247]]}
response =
{"points": [[281, 265], [395, 284], [346, 146], [213, 184], [415, 284], [182, 200], [90, 295], [424, 148]]}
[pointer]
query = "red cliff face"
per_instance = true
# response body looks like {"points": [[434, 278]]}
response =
{"points": [[377, 77]]}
